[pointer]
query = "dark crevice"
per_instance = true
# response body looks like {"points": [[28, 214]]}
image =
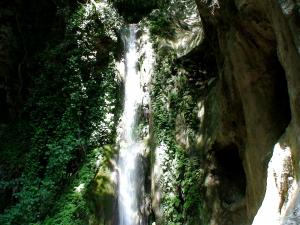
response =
{"points": [[282, 112], [230, 171], [134, 10], [4, 113]]}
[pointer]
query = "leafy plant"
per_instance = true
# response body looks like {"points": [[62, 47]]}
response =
{"points": [[74, 108], [183, 177], [160, 24]]}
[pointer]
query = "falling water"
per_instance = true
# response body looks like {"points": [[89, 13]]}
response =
{"points": [[129, 164]]}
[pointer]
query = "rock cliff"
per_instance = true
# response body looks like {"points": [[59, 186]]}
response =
{"points": [[256, 46]]}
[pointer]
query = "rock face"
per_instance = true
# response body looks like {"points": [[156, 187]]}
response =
{"points": [[256, 45]]}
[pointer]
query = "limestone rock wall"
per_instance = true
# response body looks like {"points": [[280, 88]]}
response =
{"points": [[256, 45]]}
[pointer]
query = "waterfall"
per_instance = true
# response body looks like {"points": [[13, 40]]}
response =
{"points": [[131, 178]]}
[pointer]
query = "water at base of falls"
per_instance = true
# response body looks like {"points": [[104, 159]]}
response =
{"points": [[131, 179]]}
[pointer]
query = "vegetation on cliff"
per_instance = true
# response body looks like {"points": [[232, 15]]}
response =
{"points": [[177, 93], [73, 111]]}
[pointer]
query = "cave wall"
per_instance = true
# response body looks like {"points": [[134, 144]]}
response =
{"points": [[241, 79], [256, 47]]}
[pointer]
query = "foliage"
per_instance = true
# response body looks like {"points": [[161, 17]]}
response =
{"points": [[74, 109], [14, 142], [134, 10], [160, 24], [168, 18], [72, 207], [183, 175]]}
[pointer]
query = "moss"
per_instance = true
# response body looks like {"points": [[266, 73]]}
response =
{"points": [[101, 193]]}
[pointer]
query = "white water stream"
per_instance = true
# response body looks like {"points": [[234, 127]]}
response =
{"points": [[131, 178]]}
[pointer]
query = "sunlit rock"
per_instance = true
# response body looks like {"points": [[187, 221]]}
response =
{"points": [[187, 25], [280, 185]]}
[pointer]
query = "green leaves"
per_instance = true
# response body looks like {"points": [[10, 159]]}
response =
{"points": [[161, 24], [72, 96], [174, 113]]}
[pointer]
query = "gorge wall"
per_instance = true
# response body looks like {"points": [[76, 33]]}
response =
{"points": [[230, 101], [257, 62]]}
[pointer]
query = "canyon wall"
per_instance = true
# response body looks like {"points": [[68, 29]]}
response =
{"points": [[256, 46], [242, 121]]}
